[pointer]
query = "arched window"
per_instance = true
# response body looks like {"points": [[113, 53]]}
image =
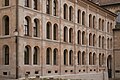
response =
{"points": [[35, 4], [99, 23], [83, 18], [79, 37], [48, 7], [99, 41], [103, 58], [65, 12], [94, 59], [83, 38], [79, 58], [6, 25], [103, 41], [26, 55], [6, 55], [48, 56], [108, 27], [90, 58], [55, 8], [71, 57], [27, 3], [49, 30], [65, 57], [26, 26], [90, 20], [94, 22], [65, 34], [55, 58], [36, 56], [55, 32], [103, 25], [90, 39], [100, 59], [108, 43], [70, 35], [83, 58], [79, 16], [94, 43], [36, 27], [6, 3], [70, 13]]}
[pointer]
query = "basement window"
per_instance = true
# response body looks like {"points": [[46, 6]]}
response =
{"points": [[36, 72], [4, 73], [49, 71]]}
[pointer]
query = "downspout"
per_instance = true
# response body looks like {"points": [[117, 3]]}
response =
{"points": [[16, 40]]}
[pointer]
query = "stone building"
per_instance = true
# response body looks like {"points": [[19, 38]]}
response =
{"points": [[51, 38], [114, 6]]}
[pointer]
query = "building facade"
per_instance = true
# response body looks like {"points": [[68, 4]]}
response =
{"points": [[64, 38], [114, 6]]}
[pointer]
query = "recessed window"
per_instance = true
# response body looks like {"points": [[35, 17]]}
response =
{"points": [[36, 72], [56, 71], [28, 72], [84, 70], [71, 70], [4, 73], [6, 2], [66, 71], [49, 71]]}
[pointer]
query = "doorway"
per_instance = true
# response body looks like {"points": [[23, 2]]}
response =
{"points": [[109, 66]]}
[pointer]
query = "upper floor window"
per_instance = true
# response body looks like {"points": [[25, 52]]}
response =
{"points": [[79, 37], [65, 34], [49, 56], [83, 38], [99, 23], [35, 56], [71, 57], [26, 26], [65, 12], [83, 58], [6, 55], [6, 25], [90, 20], [83, 18], [55, 32], [48, 7], [94, 40], [6, 2], [55, 57], [70, 13], [103, 25], [27, 55], [79, 58], [94, 20], [79, 16], [108, 26], [36, 27], [26, 3], [35, 4], [70, 35], [90, 39], [49, 30], [65, 54], [55, 8]]}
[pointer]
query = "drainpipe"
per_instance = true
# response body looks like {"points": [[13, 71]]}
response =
{"points": [[16, 39]]}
